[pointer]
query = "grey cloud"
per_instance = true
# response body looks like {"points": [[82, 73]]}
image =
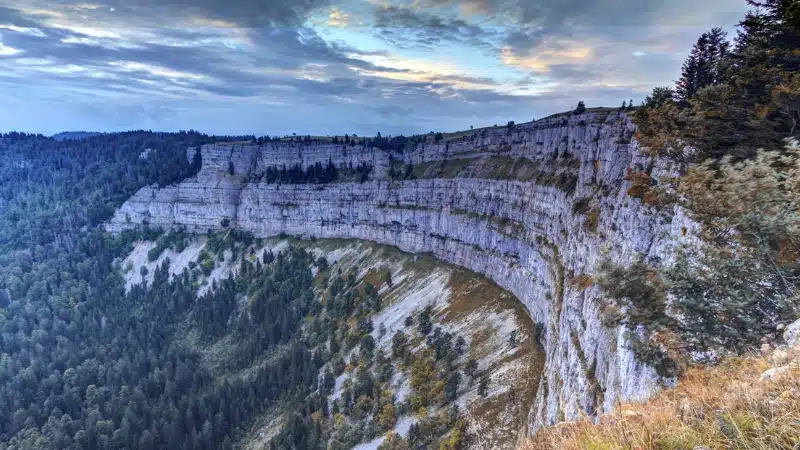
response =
{"points": [[225, 73], [467, 79], [405, 27], [602, 13], [149, 13]]}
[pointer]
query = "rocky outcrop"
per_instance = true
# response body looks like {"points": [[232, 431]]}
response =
{"points": [[540, 235], [792, 334]]}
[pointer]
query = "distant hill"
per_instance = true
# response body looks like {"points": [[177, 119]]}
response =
{"points": [[74, 135]]}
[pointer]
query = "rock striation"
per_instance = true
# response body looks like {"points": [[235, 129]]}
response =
{"points": [[540, 234]]}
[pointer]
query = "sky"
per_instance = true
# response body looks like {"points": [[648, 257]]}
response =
{"points": [[323, 67]]}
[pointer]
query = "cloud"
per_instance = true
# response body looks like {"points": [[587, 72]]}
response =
{"points": [[596, 13], [405, 26], [324, 66], [149, 13], [338, 18]]}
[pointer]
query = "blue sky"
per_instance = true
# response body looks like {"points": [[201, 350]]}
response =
{"points": [[333, 67]]}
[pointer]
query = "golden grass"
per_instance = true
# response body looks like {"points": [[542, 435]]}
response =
{"points": [[723, 407]]}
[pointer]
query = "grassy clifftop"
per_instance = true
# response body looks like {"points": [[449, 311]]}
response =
{"points": [[748, 403]]}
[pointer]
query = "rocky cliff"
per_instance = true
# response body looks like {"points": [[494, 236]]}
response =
{"points": [[534, 207]]}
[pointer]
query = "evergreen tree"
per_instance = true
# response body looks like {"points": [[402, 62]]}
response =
{"points": [[704, 65], [197, 161], [483, 386], [661, 95]]}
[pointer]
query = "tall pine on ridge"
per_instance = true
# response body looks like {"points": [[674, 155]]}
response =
{"points": [[704, 66]]}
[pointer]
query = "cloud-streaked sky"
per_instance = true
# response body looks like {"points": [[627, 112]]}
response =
{"points": [[333, 66]]}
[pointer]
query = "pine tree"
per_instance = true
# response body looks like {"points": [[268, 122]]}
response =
{"points": [[660, 96], [483, 386], [703, 67], [197, 161], [688, 85]]}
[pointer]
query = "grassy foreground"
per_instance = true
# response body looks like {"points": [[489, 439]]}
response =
{"points": [[728, 406]]}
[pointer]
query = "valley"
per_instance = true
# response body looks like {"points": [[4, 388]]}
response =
{"points": [[434, 333]]}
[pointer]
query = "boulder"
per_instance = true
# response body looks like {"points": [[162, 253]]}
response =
{"points": [[792, 334], [776, 373]]}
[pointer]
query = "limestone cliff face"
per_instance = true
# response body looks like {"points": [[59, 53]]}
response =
{"points": [[539, 234]]}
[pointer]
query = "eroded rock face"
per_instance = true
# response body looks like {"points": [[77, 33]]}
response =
{"points": [[534, 238]]}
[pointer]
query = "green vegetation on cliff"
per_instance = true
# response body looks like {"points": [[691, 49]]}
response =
{"points": [[731, 125]]}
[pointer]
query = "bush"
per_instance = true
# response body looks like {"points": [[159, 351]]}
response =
{"points": [[742, 280], [580, 206], [640, 303], [662, 95], [640, 291], [645, 188]]}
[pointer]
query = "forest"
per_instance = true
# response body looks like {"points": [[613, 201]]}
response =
{"points": [[85, 365], [316, 174]]}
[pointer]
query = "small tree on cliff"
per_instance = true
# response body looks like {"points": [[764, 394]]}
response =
{"points": [[197, 161], [581, 108]]}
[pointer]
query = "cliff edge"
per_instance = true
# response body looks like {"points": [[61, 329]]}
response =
{"points": [[535, 207]]}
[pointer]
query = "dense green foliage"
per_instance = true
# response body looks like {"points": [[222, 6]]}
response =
{"points": [[316, 174], [704, 66], [84, 365], [732, 101], [50, 190]]}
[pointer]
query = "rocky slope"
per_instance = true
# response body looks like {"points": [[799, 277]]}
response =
{"points": [[535, 208], [498, 333]]}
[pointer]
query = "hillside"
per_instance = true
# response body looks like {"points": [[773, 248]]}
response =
{"points": [[471, 321], [534, 207]]}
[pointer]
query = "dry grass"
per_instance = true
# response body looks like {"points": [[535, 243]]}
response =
{"points": [[581, 282], [471, 292], [723, 407]]}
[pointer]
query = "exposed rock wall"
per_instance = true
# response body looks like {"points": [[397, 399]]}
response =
{"points": [[531, 237]]}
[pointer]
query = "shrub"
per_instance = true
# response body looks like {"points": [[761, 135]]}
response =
{"points": [[645, 188], [592, 220], [640, 303], [742, 280], [580, 206], [582, 282], [640, 290]]}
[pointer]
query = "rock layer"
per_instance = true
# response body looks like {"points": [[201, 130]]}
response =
{"points": [[541, 239]]}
